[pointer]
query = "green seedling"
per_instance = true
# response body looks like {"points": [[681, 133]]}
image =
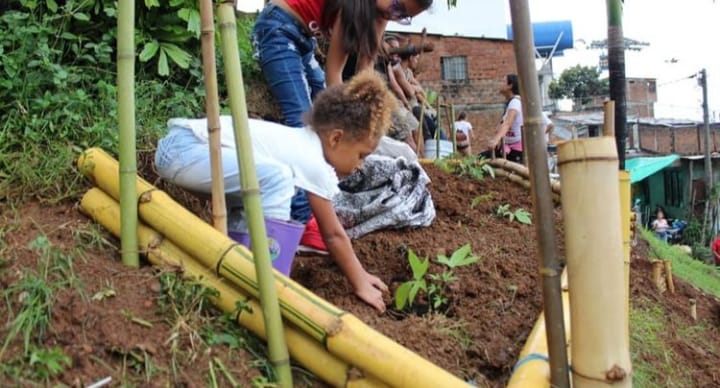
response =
{"points": [[481, 198], [48, 363], [521, 215], [468, 166], [436, 285], [407, 291]]}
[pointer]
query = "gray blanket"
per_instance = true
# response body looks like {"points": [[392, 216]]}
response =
{"points": [[385, 193]]}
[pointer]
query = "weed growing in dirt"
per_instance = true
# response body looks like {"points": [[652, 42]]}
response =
{"points": [[521, 215], [32, 296], [480, 199], [646, 326], [435, 286], [704, 276], [48, 362], [468, 166]]}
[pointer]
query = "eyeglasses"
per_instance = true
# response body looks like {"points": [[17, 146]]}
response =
{"points": [[397, 13]]}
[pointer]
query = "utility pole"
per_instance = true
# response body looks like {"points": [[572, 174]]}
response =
{"points": [[616, 68], [706, 126], [709, 207]]}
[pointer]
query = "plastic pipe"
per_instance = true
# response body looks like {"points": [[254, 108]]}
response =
{"points": [[344, 336], [594, 250], [162, 252]]}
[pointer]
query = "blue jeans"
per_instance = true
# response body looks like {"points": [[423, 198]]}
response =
{"points": [[184, 160], [286, 52]]}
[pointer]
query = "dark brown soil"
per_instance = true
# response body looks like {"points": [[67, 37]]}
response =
{"points": [[493, 305]]}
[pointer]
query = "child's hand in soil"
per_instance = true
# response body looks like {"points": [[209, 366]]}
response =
{"points": [[370, 289]]}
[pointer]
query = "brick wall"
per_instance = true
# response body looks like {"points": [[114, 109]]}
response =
{"points": [[488, 61], [687, 140]]}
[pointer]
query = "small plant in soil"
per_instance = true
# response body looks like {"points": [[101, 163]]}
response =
{"points": [[434, 287], [47, 363], [520, 215], [480, 199], [468, 166]]}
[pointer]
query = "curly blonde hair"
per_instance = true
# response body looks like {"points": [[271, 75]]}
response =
{"points": [[360, 107]]}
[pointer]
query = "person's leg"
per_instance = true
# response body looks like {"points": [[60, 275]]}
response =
{"points": [[184, 160], [282, 48]]}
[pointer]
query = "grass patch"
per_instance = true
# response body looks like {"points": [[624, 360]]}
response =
{"points": [[703, 276], [652, 359]]}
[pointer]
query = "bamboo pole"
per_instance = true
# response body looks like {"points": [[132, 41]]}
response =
{"points": [[658, 279], [316, 317], [420, 137], [162, 252], [277, 348], [438, 129], [212, 108], [625, 217], [600, 347], [693, 309], [532, 368], [126, 126], [451, 126], [543, 208], [609, 118], [668, 276]]}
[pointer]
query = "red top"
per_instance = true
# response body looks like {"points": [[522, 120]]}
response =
{"points": [[716, 248], [311, 12]]}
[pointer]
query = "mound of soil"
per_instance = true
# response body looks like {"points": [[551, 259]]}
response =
{"points": [[493, 304], [492, 307]]}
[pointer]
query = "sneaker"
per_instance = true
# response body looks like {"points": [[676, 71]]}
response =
{"points": [[311, 241]]}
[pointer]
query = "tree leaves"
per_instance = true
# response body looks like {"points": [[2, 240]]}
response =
{"points": [[580, 83]]}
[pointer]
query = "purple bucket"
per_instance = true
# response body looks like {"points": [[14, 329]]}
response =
{"points": [[283, 240]]}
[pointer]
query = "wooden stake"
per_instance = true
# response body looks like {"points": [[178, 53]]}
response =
{"points": [[609, 117], [668, 276], [657, 275], [693, 309]]}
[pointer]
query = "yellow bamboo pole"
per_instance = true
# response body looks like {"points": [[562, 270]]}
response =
{"points": [[162, 252], [600, 348], [212, 108], [625, 215], [532, 368], [609, 118], [343, 335]]}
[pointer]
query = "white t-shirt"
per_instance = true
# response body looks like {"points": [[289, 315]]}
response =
{"points": [[298, 148], [514, 134], [464, 126]]}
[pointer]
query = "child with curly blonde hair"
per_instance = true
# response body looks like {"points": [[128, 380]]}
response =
{"points": [[343, 127]]}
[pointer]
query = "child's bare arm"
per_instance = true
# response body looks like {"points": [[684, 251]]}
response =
{"points": [[368, 287]]}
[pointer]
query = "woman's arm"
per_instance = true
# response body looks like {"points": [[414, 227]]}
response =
{"points": [[503, 128], [395, 87], [368, 287], [336, 56], [403, 82]]}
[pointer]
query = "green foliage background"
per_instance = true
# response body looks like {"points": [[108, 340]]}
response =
{"points": [[581, 83], [58, 84]]}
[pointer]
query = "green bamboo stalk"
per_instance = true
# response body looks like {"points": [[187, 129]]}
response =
{"points": [[279, 357], [212, 108], [452, 128], [438, 129], [126, 126]]}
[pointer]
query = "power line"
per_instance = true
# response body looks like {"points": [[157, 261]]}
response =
{"points": [[678, 80]]}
